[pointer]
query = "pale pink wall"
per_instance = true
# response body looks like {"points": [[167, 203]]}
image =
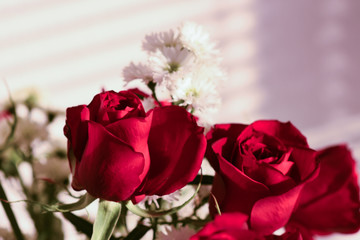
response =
{"points": [[286, 59]]}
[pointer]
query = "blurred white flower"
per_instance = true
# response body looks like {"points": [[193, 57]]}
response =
{"points": [[28, 132], [197, 40], [138, 71], [155, 41], [179, 233], [7, 234], [55, 169], [153, 198]]}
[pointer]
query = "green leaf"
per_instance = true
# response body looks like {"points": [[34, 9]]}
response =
{"points": [[83, 202], [105, 221], [138, 232], [149, 213]]}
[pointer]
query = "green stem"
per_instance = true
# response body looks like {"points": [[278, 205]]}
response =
{"points": [[122, 220], [10, 214], [105, 221], [152, 85], [12, 129], [186, 221], [154, 227]]}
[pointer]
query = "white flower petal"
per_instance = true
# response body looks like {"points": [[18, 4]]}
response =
{"points": [[137, 71], [155, 41], [197, 40]]}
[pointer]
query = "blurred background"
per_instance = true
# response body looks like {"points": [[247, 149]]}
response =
{"points": [[293, 60]]}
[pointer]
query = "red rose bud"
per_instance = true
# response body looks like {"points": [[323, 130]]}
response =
{"points": [[118, 152], [330, 203], [260, 170]]}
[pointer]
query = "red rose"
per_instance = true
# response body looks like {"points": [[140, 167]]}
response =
{"points": [[232, 226], [330, 203], [260, 170], [229, 226], [121, 153]]}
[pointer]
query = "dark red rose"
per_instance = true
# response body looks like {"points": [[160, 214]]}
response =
{"points": [[330, 203], [229, 226], [260, 170], [118, 152], [233, 226]]}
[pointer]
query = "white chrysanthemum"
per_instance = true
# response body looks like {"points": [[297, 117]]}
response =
{"points": [[138, 71], [177, 233], [168, 61], [54, 168], [197, 40], [155, 41], [197, 89]]}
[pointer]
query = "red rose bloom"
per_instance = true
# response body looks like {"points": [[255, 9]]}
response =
{"points": [[118, 152], [330, 203], [260, 170], [232, 226]]}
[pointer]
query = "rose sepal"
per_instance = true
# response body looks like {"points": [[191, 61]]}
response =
{"points": [[153, 213], [83, 202]]}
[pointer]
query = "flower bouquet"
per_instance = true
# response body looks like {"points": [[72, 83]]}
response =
{"points": [[162, 170]]}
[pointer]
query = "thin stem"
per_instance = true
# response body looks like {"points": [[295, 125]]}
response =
{"points": [[10, 214], [187, 221], [14, 123], [155, 227], [152, 85], [12, 132]]}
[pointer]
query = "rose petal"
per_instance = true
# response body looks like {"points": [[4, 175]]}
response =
{"points": [[229, 226], [177, 146], [304, 232], [231, 132], [139, 93], [272, 178], [109, 168], [271, 213], [331, 202], [240, 191], [305, 160], [288, 134], [76, 129], [110, 106], [134, 132], [290, 235], [285, 165]]}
